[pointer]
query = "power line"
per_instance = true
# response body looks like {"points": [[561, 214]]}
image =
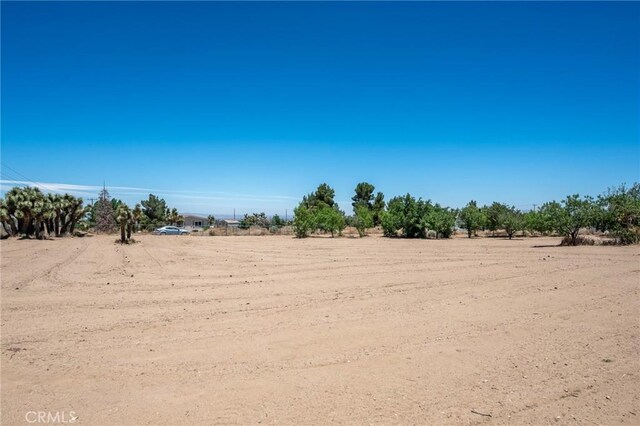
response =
{"points": [[13, 179], [29, 180]]}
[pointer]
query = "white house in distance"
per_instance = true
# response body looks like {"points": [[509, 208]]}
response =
{"points": [[195, 222]]}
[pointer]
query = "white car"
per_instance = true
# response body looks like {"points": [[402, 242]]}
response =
{"points": [[171, 230]]}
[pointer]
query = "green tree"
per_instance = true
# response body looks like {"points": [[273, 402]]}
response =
{"points": [[318, 210], [211, 220], [537, 221], [405, 214], [155, 212], [277, 221], [512, 221], [329, 219], [494, 214], [378, 209], [363, 196], [471, 218], [363, 219], [619, 213], [303, 221], [442, 220], [571, 215], [322, 197]]}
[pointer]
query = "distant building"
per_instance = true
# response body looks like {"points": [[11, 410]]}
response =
{"points": [[194, 221], [230, 223]]}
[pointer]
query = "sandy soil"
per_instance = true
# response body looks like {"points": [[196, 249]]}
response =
{"points": [[177, 330]]}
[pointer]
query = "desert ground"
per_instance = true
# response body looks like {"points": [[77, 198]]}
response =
{"points": [[247, 330]]}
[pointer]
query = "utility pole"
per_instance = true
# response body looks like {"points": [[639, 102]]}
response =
{"points": [[534, 207], [234, 214], [286, 215]]}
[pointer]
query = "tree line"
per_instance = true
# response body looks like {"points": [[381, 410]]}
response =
{"points": [[615, 213], [28, 212]]}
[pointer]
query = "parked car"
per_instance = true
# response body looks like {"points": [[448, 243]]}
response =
{"points": [[171, 230]]}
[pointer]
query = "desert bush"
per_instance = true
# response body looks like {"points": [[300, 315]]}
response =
{"points": [[579, 240]]}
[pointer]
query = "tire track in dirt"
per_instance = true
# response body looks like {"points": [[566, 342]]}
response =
{"points": [[55, 267]]}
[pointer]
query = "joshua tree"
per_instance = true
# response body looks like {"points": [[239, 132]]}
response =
{"points": [[173, 217], [124, 218], [20, 204], [6, 219]]}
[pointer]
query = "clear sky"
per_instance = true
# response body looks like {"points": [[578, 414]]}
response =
{"points": [[252, 105]]}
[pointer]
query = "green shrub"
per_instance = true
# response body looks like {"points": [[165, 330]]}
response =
{"points": [[303, 221], [620, 214], [362, 220], [471, 218], [569, 216]]}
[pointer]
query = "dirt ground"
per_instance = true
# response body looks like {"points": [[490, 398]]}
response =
{"points": [[179, 330]]}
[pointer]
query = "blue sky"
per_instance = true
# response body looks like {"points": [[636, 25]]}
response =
{"points": [[216, 106]]}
